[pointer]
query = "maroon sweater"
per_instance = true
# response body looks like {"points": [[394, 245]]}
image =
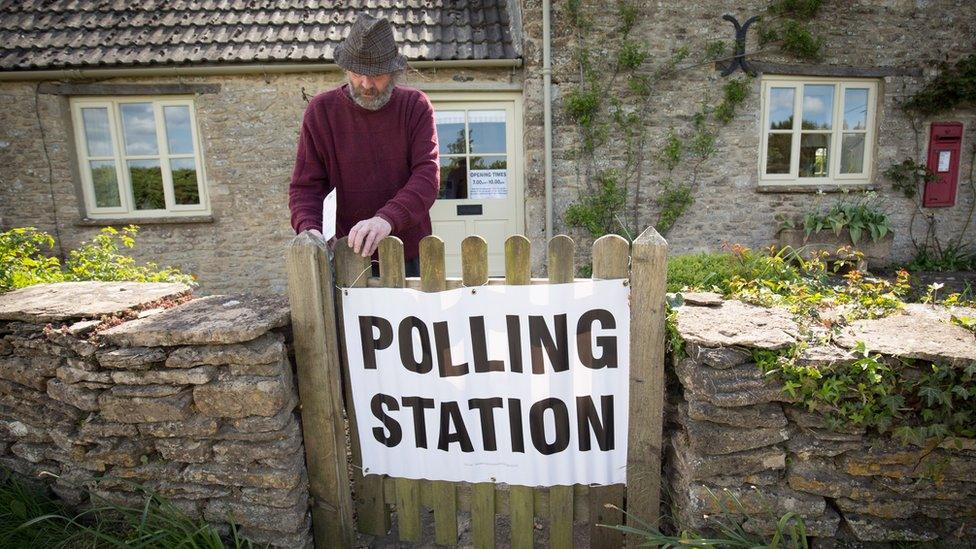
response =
{"points": [[381, 163]]}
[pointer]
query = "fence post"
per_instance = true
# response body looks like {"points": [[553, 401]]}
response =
{"points": [[316, 355], [372, 515], [648, 274]]}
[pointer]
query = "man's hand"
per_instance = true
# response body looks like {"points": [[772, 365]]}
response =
{"points": [[330, 244], [366, 235]]}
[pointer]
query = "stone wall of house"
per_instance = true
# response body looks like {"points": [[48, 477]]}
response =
{"points": [[248, 129], [738, 448], [728, 207], [193, 400]]}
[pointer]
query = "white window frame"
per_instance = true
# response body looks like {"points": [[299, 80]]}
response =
{"points": [[836, 132], [127, 209]]}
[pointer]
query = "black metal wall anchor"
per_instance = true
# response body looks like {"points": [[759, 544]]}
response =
{"points": [[739, 59]]}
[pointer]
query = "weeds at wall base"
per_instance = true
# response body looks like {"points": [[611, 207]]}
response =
{"points": [[31, 518]]}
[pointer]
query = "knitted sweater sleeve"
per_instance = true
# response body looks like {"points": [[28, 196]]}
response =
{"points": [[309, 181]]}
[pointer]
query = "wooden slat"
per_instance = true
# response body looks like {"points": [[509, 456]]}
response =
{"points": [[561, 268], [610, 261], [407, 490], [474, 270], [561, 258], [433, 279], [408, 508], [648, 273], [314, 324], [518, 269], [581, 502], [518, 272], [521, 512], [371, 512]]}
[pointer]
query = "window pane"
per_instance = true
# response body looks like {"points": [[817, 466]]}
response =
{"points": [[185, 189], [488, 163], [488, 177], [139, 128], [450, 131], [454, 177], [855, 108], [147, 184], [852, 153], [818, 106], [97, 134], [178, 135], [487, 131], [814, 154], [106, 184], [781, 108], [778, 153]]}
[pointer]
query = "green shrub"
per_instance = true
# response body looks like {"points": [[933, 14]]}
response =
{"points": [[23, 260], [717, 271]]}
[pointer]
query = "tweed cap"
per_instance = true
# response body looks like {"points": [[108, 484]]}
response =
{"points": [[370, 48]]}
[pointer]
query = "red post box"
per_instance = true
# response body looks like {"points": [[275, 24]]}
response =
{"points": [[945, 146]]}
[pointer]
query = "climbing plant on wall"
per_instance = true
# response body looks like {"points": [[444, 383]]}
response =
{"points": [[614, 137], [618, 81]]}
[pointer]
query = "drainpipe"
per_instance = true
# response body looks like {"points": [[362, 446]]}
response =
{"points": [[547, 111]]}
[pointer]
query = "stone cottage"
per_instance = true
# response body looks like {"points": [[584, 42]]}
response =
{"points": [[182, 117]]}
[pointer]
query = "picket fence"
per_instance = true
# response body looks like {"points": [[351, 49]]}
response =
{"points": [[344, 500]]}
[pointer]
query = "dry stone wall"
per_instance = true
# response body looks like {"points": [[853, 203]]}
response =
{"points": [[195, 402], [739, 448]]}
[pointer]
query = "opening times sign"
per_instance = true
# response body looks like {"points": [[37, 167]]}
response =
{"points": [[524, 385]]}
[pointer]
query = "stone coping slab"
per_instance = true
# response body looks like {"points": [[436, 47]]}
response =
{"points": [[62, 301], [920, 331], [733, 323], [217, 319]]}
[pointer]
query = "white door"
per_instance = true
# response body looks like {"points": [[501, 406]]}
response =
{"points": [[481, 189]]}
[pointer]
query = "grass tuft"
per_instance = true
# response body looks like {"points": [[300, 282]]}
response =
{"points": [[29, 517]]}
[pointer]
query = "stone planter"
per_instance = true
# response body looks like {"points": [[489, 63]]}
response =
{"points": [[877, 254]]}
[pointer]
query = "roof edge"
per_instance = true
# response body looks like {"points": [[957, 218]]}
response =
{"points": [[230, 69]]}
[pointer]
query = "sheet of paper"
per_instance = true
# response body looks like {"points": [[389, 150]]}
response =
{"points": [[944, 158], [329, 216], [488, 184]]}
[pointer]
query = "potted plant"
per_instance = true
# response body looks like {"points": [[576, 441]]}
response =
{"points": [[858, 224]]}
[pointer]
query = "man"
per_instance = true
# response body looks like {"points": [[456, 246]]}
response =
{"points": [[375, 143]]}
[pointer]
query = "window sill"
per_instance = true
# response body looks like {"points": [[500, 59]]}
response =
{"points": [[175, 220], [811, 188]]}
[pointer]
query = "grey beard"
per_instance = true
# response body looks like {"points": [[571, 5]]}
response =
{"points": [[379, 101]]}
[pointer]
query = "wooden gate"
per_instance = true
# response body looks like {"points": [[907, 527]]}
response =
{"points": [[326, 398]]}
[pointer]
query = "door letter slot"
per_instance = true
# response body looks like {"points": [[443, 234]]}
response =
{"points": [[469, 209]]}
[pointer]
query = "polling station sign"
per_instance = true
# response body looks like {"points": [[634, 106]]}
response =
{"points": [[523, 385]]}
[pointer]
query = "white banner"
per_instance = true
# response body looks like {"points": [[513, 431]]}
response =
{"points": [[524, 385]]}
